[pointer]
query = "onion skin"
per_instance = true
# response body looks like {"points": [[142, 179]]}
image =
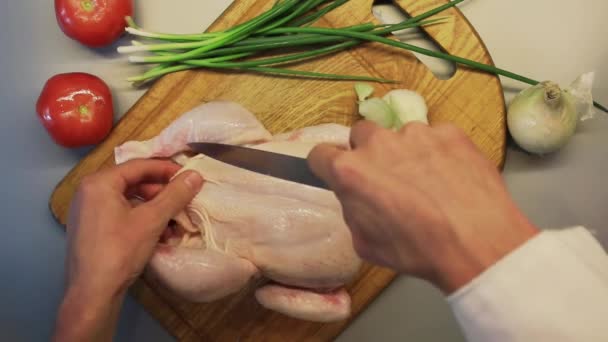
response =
{"points": [[542, 118]]}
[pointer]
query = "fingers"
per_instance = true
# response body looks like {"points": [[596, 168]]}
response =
{"points": [[145, 191], [361, 132], [142, 171], [416, 129], [321, 161], [173, 198], [339, 168]]}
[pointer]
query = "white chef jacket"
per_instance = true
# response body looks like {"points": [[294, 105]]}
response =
{"points": [[552, 288]]}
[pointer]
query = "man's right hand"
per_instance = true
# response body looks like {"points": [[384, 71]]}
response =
{"points": [[423, 201]]}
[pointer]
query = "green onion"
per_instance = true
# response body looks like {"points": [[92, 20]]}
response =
{"points": [[284, 59], [285, 25], [312, 18], [405, 46], [296, 57], [317, 75], [269, 70], [303, 8]]}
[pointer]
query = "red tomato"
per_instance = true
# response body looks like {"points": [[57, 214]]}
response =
{"points": [[76, 109], [94, 23]]}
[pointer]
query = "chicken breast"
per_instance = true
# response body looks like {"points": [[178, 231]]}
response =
{"points": [[244, 224]]}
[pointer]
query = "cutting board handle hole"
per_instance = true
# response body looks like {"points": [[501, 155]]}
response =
{"points": [[388, 13]]}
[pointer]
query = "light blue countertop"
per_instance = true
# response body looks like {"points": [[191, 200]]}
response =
{"points": [[541, 38]]}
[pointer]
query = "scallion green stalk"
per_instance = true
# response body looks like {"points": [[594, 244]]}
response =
{"points": [[314, 17], [284, 25], [220, 62]]}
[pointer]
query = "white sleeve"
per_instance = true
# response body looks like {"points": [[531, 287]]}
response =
{"points": [[552, 288]]}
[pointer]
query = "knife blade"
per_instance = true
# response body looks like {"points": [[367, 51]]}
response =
{"points": [[272, 164]]}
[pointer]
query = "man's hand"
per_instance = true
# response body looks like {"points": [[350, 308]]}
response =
{"points": [[423, 201], [110, 240]]}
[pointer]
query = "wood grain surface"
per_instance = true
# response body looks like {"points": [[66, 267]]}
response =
{"points": [[472, 100]]}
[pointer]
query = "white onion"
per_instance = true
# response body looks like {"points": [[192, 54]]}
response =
{"points": [[394, 110], [378, 111], [543, 118], [408, 105]]}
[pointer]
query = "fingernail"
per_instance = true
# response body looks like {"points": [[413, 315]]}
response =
{"points": [[194, 180]]}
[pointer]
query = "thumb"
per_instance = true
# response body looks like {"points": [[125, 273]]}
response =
{"points": [[175, 196]]}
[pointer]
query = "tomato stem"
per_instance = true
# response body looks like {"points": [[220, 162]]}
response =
{"points": [[87, 5], [84, 112]]}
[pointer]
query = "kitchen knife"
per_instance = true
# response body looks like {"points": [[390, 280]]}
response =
{"points": [[268, 163]]}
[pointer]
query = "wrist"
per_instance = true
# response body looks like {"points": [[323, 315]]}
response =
{"points": [[473, 255], [83, 308], [97, 286]]}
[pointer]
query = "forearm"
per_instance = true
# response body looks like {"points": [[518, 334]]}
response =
{"points": [[87, 316]]}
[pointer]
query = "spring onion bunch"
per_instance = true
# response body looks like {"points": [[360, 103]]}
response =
{"points": [[260, 44]]}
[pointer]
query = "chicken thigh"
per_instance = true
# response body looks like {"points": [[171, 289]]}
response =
{"points": [[243, 224]]}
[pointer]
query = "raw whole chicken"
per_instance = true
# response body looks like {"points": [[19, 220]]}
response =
{"points": [[244, 225]]}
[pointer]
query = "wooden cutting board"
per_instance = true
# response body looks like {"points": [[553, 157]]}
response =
{"points": [[472, 100]]}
